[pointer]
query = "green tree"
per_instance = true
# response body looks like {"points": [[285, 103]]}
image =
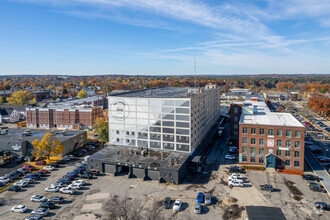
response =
{"points": [[102, 129], [19, 98], [82, 94]]}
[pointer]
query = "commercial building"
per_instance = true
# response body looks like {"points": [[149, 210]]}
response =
{"points": [[72, 114], [171, 119], [269, 139], [18, 141]]}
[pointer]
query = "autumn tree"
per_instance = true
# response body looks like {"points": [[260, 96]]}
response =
{"points": [[102, 129], [82, 94], [48, 146], [19, 98], [1, 99]]}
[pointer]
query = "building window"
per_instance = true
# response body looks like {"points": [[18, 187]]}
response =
{"points": [[253, 150], [235, 126], [235, 110], [127, 132], [261, 142], [244, 149], [279, 152], [236, 118], [245, 131], [117, 132], [287, 153], [296, 163], [297, 134], [253, 141], [288, 143], [288, 133], [279, 133], [117, 139], [287, 162], [297, 154], [262, 131], [279, 143], [261, 151], [244, 159], [270, 132], [296, 144], [244, 140], [253, 159], [261, 160], [253, 131], [235, 133]]}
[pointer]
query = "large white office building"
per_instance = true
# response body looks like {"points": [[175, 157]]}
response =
{"points": [[170, 118]]}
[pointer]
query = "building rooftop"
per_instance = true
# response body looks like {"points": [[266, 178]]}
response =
{"points": [[270, 118], [163, 92], [153, 158]]}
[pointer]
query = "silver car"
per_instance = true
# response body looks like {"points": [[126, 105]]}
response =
{"points": [[198, 208], [208, 199]]}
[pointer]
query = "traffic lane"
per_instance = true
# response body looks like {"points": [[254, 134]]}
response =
{"points": [[37, 188]]}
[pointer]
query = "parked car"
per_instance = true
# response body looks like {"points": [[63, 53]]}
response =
{"points": [[59, 184], [208, 199], [200, 197], [322, 205], [14, 188], [52, 188], [21, 184], [317, 189], [19, 208], [266, 188], [28, 180], [95, 172], [236, 169], [310, 177], [177, 205], [47, 205], [68, 190], [29, 167], [6, 180], [56, 199], [55, 165], [198, 208], [230, 157], [40, 162], [34, 217], [75, 185], [86, 176], [167, 203], [38, 198], [235, 176], [43, 172], [64, 181], [235, 183], [23, 170], [40, 211], [82, 182]]}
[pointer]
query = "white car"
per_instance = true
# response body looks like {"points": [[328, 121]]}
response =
{"points": [[177, 205], [70, 156], [235, 183], [230, 157], [21, 183], [19, 208], [208, 199], [67, 190], [82, 182], [49, 168], [40, 211], [5, 179], [52, 188], [38, 198], [198, 208], [60, 184], [235, 177], [75, 185]]}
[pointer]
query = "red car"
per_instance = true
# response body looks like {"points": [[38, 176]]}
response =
{"points": [[41, 162], [28, 167], [43, 171]]}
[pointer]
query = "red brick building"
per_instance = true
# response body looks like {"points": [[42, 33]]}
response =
{"points": [[269, 139]]}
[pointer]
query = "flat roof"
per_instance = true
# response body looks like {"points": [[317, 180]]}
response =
{"points": [[264, 212], [133, 156], [270, 118], [16, 135], [163, 92]]}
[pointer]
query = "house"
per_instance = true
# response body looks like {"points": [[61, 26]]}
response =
{"points": [[9, 115]]}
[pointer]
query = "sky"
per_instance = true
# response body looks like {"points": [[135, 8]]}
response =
{"points": [[164, 37]]}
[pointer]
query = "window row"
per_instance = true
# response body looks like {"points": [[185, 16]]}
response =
{"points": [[278, 142], [279, 132], [262, 151], [261, 161], [157, 102]]}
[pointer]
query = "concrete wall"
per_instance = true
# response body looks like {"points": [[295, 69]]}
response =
{"points": [[74, 143], [138, 172], [153, 174], [109, 168]]}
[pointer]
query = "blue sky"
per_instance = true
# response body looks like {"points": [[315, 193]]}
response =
{"points": [[83, 37]]}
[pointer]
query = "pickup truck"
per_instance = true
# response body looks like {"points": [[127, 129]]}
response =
{"points": [[235, 183], [236, 177]]}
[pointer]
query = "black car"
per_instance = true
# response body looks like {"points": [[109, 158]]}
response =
{"points": [[322, 205], [14, 188], [86, 176], [310, 177], [55, 165], [89, 172], [317, 189], [266, 188], [167, 203], [56, 199], [34, 217], [13, 176], [47, 205], [236, 169], [83, 168], [18, 173], [65, 181]]}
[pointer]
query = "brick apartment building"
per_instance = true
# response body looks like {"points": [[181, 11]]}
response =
{"points": [[269, 139], [73, 114]]}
